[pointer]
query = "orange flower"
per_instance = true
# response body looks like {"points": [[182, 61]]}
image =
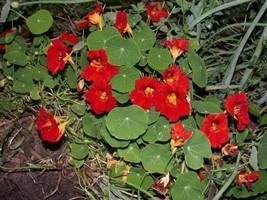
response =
{"points": [[93, 18], [247, 178], [176, 46]]}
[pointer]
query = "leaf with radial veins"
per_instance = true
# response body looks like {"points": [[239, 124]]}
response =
{"points": [[123, 52], [145, 39], [155, 158], [196, 148], [98, 39], [124, 81], [159, 59], [187, 187], [127, 123]]}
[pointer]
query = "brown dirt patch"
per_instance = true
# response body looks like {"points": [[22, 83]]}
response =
{"points": [[31, 169]]}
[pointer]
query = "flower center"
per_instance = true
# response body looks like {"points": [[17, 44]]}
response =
{"points": [[214, 126], [103, 96], [149, 90], [236, 109], [68, 58], [172, 98], [97, 65], [47, 124]]}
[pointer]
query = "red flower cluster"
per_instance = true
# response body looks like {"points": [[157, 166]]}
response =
{"points": [[169, 97], [176, 46], [247, 178], [57, 53], [48, 126], [93, 18], [3, 34], [156, 11], [215, 127], [122, 24], [237, 106], [100, 72]]}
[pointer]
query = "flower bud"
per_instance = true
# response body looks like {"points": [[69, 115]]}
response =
{"points": [[80, 85]]}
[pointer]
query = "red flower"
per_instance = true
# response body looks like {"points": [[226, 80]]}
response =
{"points": [[3, 34], [179, 135], [174, 75], [100, 97], [215, 127], [99, 69], [156, 11], [145, 92], [73, 39], [93, 18], [230, 149], [172, 102], [176, 46], [57, 56], [121, 23], [245, 177], [237, 106], [47, 125]]}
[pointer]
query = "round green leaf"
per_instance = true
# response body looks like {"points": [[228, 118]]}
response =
{"points": [[35, 93], [121, 97], [199, 69], [78, 109], [131, 153], [40, 22], [50, 81], [124, 81], [160, 131], [159, 59], [196, 149], [24, 74], [139, 178], [206, 107], [16, 57], [153, 115], [145, 39], [187, 187], [71, 78], [98, 39], [79, 151], [89, 127], [39, 73], [133, 19], [18, 44], [22, 87], [123, 52], [127, 123], [155, 158], [112, 141], [76, 163], [10, 37]]}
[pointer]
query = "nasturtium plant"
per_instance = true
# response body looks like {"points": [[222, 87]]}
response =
{"points": [[156, 98]]}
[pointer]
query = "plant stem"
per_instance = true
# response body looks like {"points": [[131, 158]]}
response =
{"points": [[230, 180]]}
